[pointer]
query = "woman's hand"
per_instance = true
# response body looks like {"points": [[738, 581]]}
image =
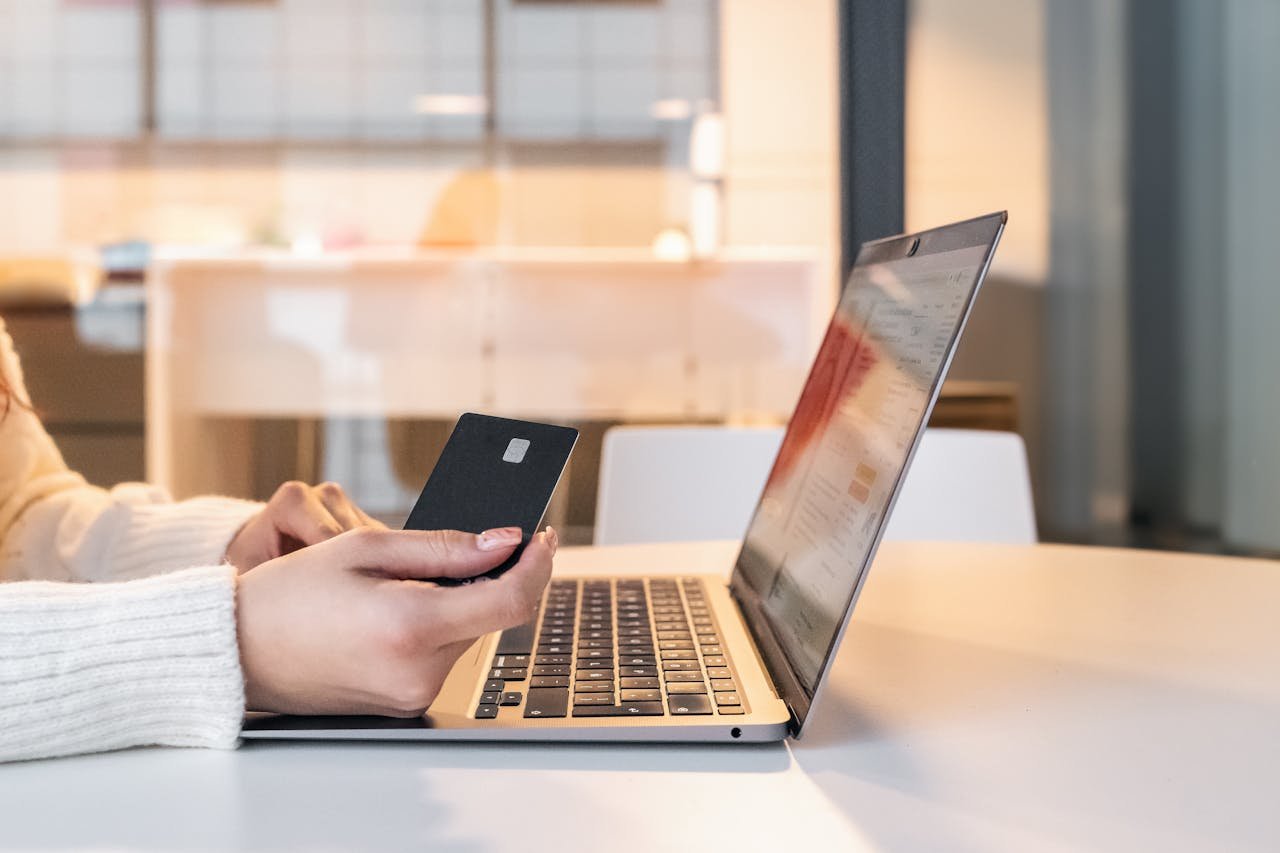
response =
{"points": [[348, 626], [297, 515]]}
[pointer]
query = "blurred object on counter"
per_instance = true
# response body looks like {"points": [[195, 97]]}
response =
{"points": [[467, 213], [125, 262], [47, 281]]}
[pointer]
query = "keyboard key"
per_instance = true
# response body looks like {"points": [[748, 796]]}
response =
{"points": [[719, 672], [681, 665], [549, 681], [557, 631], [494, 684], [595, 644], [555, 649], [486, 712], [708, 640], [716, 660], [546, 703], [728, 699], [594, 675], [594, 687], [680, 654], [730, 710], [636, 641], [512, 697], [689, 705], [546, 660], [667, 645], [641, 695], [634, 671], [516, 641], [490, 697], [593, 699], [712, 650], [512, 673], [510, 660], [674, 635], [723, 685], [595, 663], [595, 653], [685, 688], [554, 669], [639, 682], [632, 660], [626, 709], [682, 676]]}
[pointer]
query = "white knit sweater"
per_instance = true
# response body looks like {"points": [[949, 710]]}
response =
{"points": [[117, 611]]}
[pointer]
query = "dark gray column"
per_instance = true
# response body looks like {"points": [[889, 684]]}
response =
{"points": [[873, 54]]}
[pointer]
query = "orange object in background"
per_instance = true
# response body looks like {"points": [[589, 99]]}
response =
{"points": [[466, 214]]}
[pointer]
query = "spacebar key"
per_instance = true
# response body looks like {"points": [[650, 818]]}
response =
{"points": [[626, 709], [516, 641], [543, 702]]}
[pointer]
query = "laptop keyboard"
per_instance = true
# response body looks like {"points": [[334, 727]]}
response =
{"points": [[622, 647]]}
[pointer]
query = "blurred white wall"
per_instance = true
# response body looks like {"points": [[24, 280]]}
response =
{"points": [[977, 123]]}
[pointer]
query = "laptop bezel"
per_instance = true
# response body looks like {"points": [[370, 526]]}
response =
{"points": [[972, 233]]}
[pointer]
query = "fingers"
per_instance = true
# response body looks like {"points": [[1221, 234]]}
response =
{"points": [[342, 508], [512, 599], [424, 554], [296, 511]]}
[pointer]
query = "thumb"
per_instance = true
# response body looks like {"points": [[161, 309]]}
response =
{"points": [[423, 554]]}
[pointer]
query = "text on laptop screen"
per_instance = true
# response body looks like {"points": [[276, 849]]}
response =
{"points": [[847, 445]]}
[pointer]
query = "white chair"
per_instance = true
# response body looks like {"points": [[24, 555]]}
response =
{"points": [[966, 486], [679, 484]]}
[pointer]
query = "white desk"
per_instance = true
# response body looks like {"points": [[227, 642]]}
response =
{"points": [[987, 698]]}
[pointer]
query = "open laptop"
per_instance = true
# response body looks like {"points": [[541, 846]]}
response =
{"points": [[690, 658]]}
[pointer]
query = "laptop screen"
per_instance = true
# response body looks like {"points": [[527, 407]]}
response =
{"points": [[855, 426]]}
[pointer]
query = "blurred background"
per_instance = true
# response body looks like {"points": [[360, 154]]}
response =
{"points": [[248, 240]]}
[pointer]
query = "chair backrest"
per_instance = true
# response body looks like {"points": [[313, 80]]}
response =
{"points": [[675, 484], [966, 486], [681, 484]]}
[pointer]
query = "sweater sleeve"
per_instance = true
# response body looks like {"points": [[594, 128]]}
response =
{"points": [[94, 667], [54, 526]]}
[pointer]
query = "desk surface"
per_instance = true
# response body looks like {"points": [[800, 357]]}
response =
{"points": [[987, 698]]}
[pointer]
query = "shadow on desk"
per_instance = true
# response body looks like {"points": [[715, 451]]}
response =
{"points": [[386, 796]]}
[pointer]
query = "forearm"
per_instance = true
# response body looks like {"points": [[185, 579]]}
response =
{"points": [[81, 533], [89, 668]]}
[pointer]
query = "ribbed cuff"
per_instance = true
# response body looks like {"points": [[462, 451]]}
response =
{"points": [[161, 537], [95, 667]]}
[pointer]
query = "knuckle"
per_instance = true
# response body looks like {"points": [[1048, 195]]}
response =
{"points": [[439, 544], [292, 491], [364, 538], [330, 489], [519, 607]]}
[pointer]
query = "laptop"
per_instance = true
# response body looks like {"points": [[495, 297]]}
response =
{"points": [[672, 658]]}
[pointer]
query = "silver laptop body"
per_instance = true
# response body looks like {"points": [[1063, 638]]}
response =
{"points": [[693, 658]]}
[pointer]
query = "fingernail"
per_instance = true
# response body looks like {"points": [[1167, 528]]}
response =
{"points": [[553, 539], [500, 537]]}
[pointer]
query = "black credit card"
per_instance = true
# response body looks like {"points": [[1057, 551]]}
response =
{"points": [[494, 472]]}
